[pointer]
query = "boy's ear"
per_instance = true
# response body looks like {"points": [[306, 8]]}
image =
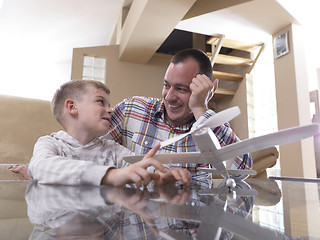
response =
{"points": [[71, 106]]}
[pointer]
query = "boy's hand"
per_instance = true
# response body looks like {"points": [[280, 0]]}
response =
{"points": [[136, 173], [174, 174]]}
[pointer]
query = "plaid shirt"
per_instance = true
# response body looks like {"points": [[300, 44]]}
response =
{"points": [[139, 124]]}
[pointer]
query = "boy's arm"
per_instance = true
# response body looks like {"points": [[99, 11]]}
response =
{"points": [[48, 166], [136, 173]]}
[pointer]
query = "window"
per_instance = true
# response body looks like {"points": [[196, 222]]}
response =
{"points": [[263, 120], [94, 68]]}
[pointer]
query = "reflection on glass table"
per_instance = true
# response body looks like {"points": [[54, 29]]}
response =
{"points": [[170, 212], [273, 209]]}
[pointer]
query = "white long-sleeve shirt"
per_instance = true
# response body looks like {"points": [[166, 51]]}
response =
{"points": [[61, 159]]}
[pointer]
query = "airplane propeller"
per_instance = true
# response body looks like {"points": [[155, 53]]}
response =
{"points": [[212, 122]]}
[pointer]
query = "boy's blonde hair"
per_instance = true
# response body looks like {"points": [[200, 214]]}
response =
{"points": [[73, 89]]}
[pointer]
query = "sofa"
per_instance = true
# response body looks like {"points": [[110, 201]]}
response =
{"points": [[22, 122], [264, 159]]}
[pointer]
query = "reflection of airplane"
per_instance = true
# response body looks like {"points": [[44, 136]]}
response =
{"points": [[211, 152], [108, 212], [213, 218], [214, 221], [228, 194]]}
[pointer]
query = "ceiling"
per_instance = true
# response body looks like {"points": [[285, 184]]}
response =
{"points": [[38, 36]]}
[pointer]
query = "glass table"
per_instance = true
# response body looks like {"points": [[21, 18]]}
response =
{"points": [[256, 209]]}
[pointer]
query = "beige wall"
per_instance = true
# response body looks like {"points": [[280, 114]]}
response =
{"points": [[296, 159], [240, 124], [123, 78]]}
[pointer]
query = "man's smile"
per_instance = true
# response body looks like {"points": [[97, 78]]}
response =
{"points": [[174, 106]]}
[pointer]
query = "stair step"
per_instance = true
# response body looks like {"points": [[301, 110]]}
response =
{"points": [[221, 93], [225, 91], [232, 60], [227, 76], [243, 46]]}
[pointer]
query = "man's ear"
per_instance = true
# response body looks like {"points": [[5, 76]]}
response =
{"points": [[71, 106]]}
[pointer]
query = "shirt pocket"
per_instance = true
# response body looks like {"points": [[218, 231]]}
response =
{"points": [[142, 143]]}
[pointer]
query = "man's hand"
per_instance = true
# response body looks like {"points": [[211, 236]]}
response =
{"points": [[136, 173], [202, 90], [173, 175]]}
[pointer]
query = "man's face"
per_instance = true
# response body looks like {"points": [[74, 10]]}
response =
{"points": [[176, 92]]}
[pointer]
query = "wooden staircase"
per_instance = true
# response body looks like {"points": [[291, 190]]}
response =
{"points": [[231, 61]]}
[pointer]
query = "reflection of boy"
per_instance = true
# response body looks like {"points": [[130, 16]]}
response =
{"points": [[78, 156], [86, 212]]}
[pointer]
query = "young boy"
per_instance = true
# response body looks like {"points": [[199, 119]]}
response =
{"points": [[78, 156]]}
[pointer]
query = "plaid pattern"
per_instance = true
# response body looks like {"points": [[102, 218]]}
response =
{"points": [[138, 123]]}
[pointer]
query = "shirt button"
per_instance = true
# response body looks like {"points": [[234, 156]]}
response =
{"points": [[146, 142]]}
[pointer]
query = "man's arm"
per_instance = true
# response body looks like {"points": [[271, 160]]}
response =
{"points": [[202, 90]]}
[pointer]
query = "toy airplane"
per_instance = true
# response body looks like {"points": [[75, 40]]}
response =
{"points": [[211, 152]]}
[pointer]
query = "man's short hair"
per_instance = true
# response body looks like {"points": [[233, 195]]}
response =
{"points": [[73, 89], [199, 56]]}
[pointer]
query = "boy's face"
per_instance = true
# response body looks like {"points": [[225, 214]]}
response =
{"points": [[94, 113]]}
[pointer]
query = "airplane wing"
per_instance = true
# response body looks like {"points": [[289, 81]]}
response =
{"points": [[265, 141], [168, 158], [233, 150]]}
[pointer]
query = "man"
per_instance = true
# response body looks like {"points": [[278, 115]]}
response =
{"points": [[140, 122]]}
